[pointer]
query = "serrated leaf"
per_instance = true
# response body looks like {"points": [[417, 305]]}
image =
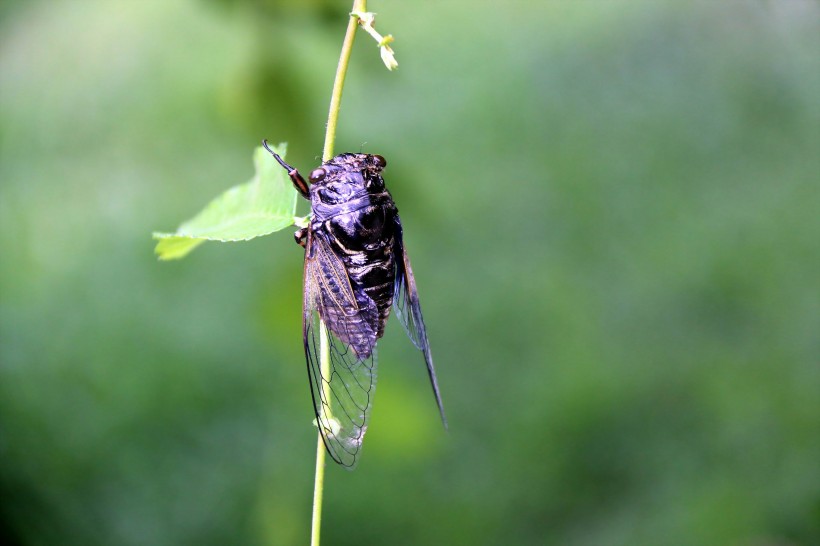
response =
{"points": [[261, 206]]}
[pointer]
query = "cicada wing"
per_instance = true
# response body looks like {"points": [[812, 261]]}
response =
{"points": [[343, 391], [408, 309]]}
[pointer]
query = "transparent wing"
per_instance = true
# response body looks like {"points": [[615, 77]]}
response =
{"points": [[408, 309], [343, 391]]}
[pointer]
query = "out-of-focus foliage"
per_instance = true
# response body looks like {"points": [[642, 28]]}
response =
{"points": [[612, 210]]}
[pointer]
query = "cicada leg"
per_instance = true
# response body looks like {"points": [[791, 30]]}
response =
{"points": [[298, 180], [301, 236]]}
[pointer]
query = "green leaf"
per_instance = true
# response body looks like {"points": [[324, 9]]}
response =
{"points": [[265, 204]]}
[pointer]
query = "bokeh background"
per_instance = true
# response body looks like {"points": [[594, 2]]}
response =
{"points": [[612, 210]]}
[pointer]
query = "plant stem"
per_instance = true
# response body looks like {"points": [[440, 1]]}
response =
{"points": [[339, 82], [319, 480], [327, 153]]}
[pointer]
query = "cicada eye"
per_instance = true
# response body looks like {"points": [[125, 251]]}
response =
{"points": [[317, 175], [379, 161]]}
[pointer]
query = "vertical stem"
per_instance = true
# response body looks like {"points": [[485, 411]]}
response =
{"points": [[318, 488], [319, 480], [339, 82], [327, 153]]}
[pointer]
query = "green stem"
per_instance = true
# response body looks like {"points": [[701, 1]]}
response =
{"points": [[327, 153], [339, 82], [319, 480]]}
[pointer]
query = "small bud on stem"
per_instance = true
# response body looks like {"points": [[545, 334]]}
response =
{"points": [[366, 21]]}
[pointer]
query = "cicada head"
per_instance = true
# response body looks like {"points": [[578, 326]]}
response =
{"points": [[359, 162], [347, 176]]}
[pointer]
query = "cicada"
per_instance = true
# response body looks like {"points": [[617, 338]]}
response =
{"points": [[356, 269]]}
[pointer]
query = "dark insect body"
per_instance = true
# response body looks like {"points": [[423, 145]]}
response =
{"points": [[356, 270]]}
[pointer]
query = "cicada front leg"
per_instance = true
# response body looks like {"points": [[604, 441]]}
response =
{"points": [[300, 235]]}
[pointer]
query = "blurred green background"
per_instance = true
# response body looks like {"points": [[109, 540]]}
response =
{"points": [[612, 210]]}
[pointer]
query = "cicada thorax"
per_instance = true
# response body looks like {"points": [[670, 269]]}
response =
{"points": [[356, 216]]}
